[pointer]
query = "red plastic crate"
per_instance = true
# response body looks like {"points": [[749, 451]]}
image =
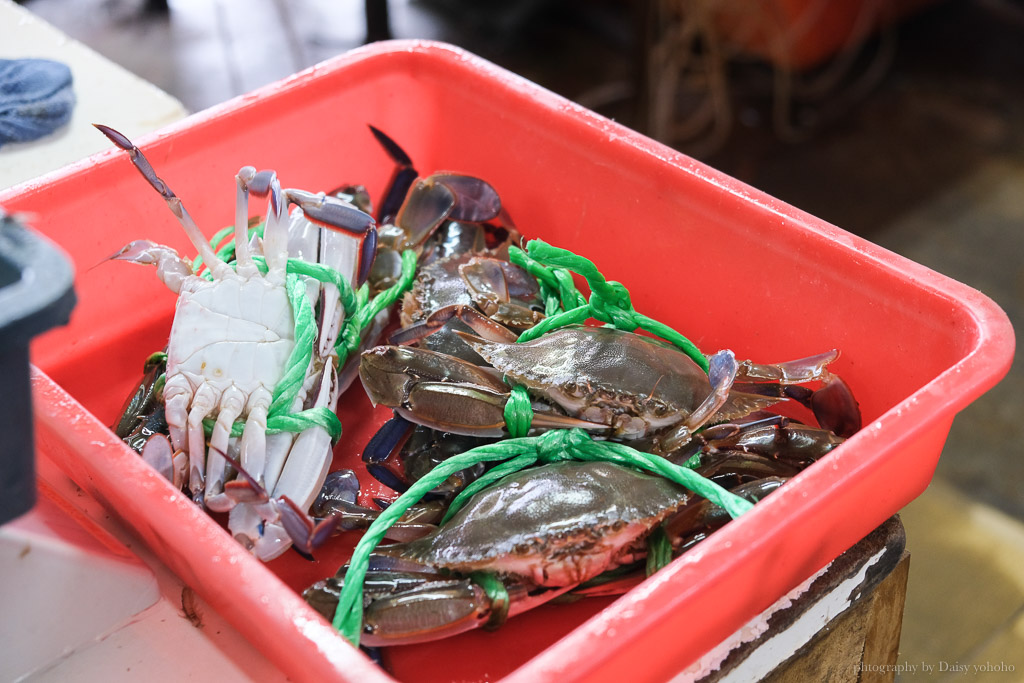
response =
{"points": [[720, 261]]}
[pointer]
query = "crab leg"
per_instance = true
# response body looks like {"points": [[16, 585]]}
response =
{"points": [[171, 268], [254, 436], [833, 405], [487, 328], [401, 180], [789, 372], [159, 454], [275, 234], [412, 604], [203, 403], [243, 254], [279, 446], [310, 457], [303, 474], [448, 394], [232, 403], [216, 265], [338, 215], [721, 373]]}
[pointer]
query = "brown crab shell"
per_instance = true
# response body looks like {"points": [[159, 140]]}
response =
{"points": [[634, 384], [555, 525]]}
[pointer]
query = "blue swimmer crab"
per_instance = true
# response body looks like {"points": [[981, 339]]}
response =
{"points": [[616, 384], [232, 337], [542, 532]]}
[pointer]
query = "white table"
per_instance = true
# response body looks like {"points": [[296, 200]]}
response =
{"points": [[105, 93]]}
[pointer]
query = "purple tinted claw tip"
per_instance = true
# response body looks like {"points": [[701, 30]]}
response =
{"points": [[394, 151], [387, 440], [248, 491], [261, 183], [306, 535], [338, 215], [366, 256], [297, 524], [722, 368], [836, 409], [141, 163], [385, 476], [117, 138]]}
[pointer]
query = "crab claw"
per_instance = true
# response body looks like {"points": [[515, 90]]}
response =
{"points": [[306, 534], [142, 164], [161, 456], [171, 268], [135, 154], [834, 405], [402, 179], [475, 199], [836, 409], [338, 214]]}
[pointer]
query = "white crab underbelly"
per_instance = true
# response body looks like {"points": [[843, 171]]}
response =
{"points": [[231, 332]]}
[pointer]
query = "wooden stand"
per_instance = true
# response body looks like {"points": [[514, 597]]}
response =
{"points": [[842, 625]]}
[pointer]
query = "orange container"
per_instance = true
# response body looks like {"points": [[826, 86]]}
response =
{"points": [[802, 34], [721, 262]]}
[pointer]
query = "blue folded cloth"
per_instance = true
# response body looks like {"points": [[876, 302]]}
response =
{"points": [[35, 98]]}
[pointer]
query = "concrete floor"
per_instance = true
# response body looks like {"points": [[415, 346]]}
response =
{"points": [[928, 163]]}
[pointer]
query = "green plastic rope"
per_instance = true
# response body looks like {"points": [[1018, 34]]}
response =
{"points": [[349, 339], [280, 418], [290, 384], [518, 412], [553, 446], [659, 550], [609, 301]]}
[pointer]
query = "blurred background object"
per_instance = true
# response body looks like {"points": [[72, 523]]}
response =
{"points": [[36, 98], [901, 121]]}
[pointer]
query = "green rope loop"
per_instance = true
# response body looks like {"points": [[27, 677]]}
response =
{"points": [[292, 422], [609, 301], [518, 412], [498, 596], [290, 384], [552, 446], [365, 311], [556, 284]]}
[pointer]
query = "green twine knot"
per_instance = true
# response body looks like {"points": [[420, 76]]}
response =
{"points": [[518, 412], [612, 304], [609, 302], [557, 445]]}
